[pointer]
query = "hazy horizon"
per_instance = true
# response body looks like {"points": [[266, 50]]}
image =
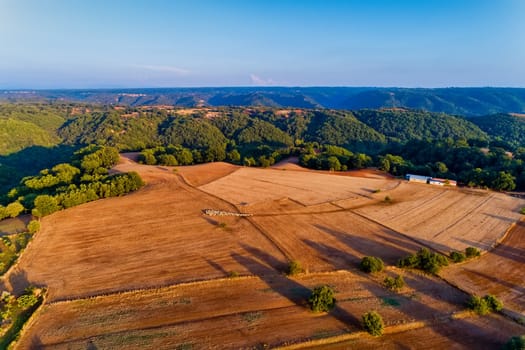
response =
{"points": [[192, 44]]}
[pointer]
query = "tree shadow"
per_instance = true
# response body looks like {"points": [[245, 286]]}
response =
{"points": [[286, 287], [30, 161], [18, 281], [36, 343], [503, 250], [501, 218], [518, 288], [475, 244], [458, 330], [390, 249], [338, 259], [217, 266]]}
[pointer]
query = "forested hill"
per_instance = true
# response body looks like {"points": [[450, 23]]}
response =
{"points": [[485, 151], [457, 101]]}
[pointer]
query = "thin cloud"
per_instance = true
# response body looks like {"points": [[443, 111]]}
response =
{"points": [[257, 80], [165, 69]]}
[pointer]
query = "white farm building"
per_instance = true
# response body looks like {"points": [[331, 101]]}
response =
{"points": [[430, 180]]}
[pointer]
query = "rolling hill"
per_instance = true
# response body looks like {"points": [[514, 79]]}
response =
{"points": [[458, 101]]}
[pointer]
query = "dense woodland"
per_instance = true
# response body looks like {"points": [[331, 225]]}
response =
{"points": [[65, 185], [486, 151]]}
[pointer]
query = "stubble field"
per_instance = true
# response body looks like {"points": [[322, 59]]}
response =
{"points": [[121, 271]]}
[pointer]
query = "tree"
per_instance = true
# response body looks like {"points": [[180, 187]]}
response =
{"points": [[33, 226], [457, 257], [14, 209], [484, 305], [371, 264], [168, 160], [322, 299], [45, 205], [394, 284], [234, 156], [373, 323], [503, 181], [472, 252], [515, 343], [424, 260], [478, 305], [333, 163], [494, 303]]}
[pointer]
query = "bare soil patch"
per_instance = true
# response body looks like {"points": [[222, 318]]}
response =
{"points": [[14, 225]]}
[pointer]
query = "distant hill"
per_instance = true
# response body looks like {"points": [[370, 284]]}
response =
{"points": [[457, 101]]}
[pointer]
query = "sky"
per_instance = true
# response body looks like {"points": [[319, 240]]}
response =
{"points": [[46, 44]]}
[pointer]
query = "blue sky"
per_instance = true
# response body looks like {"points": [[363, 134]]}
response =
{"points": [[156, 43]]}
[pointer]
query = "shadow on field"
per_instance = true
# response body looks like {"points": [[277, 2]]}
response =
{"points": [[286, 287], [460, 331], [18, 282], [504, 250], [339, 259], [518, 288], [217, 266], [390, 249], [501, 218]]}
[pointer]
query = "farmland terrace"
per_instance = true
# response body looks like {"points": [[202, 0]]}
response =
{"points": [[151, 269]]}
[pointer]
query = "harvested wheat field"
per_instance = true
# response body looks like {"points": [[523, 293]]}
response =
{"points": [[266, 309], [149, 269], [500, 272], [153, 237], [447, 219]]}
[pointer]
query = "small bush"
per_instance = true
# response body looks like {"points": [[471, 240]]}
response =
{"points": [[371, 264], [515, 343], [394, 284], [322, 299], [388, 199], [457, 257], [294, 268], [522, 210], [233, 274], [485, 305], [373, 323], [472, 252]]}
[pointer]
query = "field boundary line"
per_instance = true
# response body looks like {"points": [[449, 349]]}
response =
{"points": [[394, 329], [159, 288], [166, 287]]}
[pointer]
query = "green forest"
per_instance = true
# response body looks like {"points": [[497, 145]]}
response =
{"points": [[485, 151]]}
